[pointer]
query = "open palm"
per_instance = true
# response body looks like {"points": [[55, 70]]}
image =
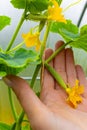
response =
{"points": [[51, 111]]}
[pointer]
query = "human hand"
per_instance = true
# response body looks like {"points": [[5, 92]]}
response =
{"points": [[51, 111]]}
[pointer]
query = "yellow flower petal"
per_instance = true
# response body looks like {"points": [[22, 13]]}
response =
{"points": [[55, 12], [32, 40], [74, 94]]}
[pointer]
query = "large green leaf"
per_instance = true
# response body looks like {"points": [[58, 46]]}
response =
{"points": [[4, 126], [80, 43], [20, 4], [83, 30], [34, 6], [4, 21], [15, 62], [68, 31]]}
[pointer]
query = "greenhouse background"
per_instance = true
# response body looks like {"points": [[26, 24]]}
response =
{"points": [[6, 8]]}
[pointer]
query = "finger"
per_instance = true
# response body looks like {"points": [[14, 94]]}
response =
{"points": [[59, 63], [82, 78], [48, 81], [29, 101], [70, 67]]}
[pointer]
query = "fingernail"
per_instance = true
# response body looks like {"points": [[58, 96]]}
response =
{"points": [[7, 81]]}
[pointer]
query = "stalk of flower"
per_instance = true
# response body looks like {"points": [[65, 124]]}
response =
{"points": [[55, 12], [74, 93], [32, 39]]}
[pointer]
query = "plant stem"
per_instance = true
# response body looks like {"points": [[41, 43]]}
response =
{"points": [[52, 71], [36, 17], [82, 14], [16, 31], [41, 25], [13, 126], [57, 51], [35, 75], [17, 47], [56, 76], [12, 104], [43, 45], [30, 128], [19, 121]]}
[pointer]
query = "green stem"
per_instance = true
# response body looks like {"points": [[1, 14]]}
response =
{"points": [[16, 31], [36, 17], [19, 121], [43, 45], [57, 51], [52, 71], [41, 25], [17, 47], [13, 126], [30, 128], [56, 76], [82, 14], [12, 104], [35, 75]]}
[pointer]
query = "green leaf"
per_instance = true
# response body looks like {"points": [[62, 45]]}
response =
{"points": [[33, 6], [80, 43], [68, 31], [4, 126], [83, 30], [20, 4], [4, 21], [59, 1], [37, 6], [15, 62]]}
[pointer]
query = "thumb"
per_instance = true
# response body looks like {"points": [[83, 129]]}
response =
{"points": [[29, 101]]}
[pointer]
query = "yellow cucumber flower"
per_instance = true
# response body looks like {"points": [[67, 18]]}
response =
{"points": [[74, 94], [55, 12], [32, 40]]}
